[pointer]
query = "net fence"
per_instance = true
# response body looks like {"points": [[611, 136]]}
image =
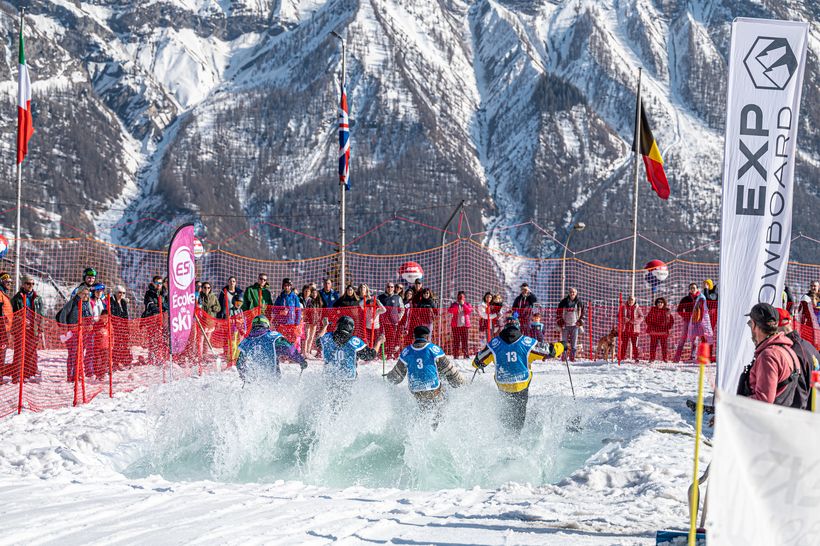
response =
{"points": [[48, 364]]}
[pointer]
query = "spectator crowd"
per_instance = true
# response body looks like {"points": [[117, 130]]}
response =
{"points": [[223, 318]]}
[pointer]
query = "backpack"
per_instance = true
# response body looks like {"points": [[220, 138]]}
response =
{"points": [[808, 360], [796, 393]]}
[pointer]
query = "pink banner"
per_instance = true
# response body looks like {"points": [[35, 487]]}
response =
{"points": [[181, 298]]}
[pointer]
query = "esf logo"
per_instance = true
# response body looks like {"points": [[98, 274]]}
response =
{"points": [[183, 267], [770, 63]]}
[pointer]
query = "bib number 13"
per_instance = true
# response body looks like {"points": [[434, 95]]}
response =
{"points": [[512, 356]]}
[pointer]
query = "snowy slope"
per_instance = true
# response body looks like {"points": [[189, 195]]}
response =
{"points": [[224, 112], [163, 466]]}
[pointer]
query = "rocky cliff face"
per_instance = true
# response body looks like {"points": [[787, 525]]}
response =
{"points": [[225, 112]]}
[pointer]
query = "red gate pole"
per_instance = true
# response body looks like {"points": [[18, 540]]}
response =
{"points": [[110, 350], [80, 352], [591, 349], [77, 359], [24, 310], [620, 327], [373, 324]]}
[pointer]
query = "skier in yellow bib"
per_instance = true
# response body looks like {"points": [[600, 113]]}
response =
{"points": [[513, 355]]}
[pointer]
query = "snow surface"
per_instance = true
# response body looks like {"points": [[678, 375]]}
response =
{"points": [[204, 460]]}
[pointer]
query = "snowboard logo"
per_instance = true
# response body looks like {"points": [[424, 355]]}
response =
{"points": [[770, 63]]}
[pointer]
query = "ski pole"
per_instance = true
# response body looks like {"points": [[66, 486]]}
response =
{"points": [[474, 374], [384, 364], [571, 386]]}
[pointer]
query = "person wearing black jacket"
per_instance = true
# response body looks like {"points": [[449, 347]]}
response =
{"points": [[226, 296], [348, 299], [570, 317], [119, 305], [121, 351], [152, 298], [390, 321], [523, 304], [69, 315]]}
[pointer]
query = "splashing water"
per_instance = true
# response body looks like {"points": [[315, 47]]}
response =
{"points": [[376, 437]]}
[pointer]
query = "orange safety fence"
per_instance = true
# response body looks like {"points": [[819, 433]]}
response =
{"points": [[70, 364]]}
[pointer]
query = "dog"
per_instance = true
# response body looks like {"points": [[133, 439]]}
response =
{"points": [[607, 346]]}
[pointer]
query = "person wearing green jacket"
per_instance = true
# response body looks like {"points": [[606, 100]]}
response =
{"points": [[258, 294]]}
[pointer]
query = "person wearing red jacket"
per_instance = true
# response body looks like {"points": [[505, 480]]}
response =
{"points": [[659, 322], [631, 317], [460, 323], [774, 374]]}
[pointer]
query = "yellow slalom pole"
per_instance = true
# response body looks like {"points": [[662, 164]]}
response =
{"points": [[815, 379], [703, 359]]}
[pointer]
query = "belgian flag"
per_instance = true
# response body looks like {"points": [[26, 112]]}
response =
{"points": [[652, 159]]}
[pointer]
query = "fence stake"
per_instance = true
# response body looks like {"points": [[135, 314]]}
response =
{"points": [[110, 350], [79, 356], [22, 358], [591, 350], [620, 327], [77, 360]]}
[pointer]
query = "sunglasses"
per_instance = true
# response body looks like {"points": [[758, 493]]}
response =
{"points": [[28, 284]]}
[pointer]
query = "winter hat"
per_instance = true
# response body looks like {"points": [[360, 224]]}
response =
{"points": [[285, 281], [89, 272], [98, 287], [5, 276], [421, 332], [764, 315], [785, 317], [237, 298], [709, 284]]}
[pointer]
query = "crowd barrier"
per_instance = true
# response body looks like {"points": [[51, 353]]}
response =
{"points": [[46, 364]]}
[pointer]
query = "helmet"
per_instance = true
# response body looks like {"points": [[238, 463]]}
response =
{"points": [[260, 321], [89, 272], [421, 332], [512, 321], [345, 326]]}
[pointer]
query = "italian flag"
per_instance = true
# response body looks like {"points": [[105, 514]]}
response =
{"points": [[25, 128]]}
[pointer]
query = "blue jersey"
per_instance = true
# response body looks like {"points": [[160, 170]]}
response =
{"points": [[258, 353], [340, 361], [422, 372], [512, 360]]}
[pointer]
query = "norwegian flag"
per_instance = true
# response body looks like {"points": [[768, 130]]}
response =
{"points": [[344, 142]]}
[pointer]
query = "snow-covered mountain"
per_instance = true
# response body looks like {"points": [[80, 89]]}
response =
{"points": [[225, 112]]}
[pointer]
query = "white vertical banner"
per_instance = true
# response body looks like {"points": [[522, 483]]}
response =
{"points": [[764, 489], [766, 66]]}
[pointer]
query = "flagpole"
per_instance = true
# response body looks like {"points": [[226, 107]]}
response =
{"points": [[636, 149], [342, 256], [19, 201]]}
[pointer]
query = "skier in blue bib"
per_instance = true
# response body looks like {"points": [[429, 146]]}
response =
{"points": [[259, 353], [513, 355], [341, 350], [424, 364]]}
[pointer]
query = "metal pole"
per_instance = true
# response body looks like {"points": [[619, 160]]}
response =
{"points": [[342, 261], [635, 198], [578, 226], [19, 206], [564, 264], [441, 271], [17, 229]]}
